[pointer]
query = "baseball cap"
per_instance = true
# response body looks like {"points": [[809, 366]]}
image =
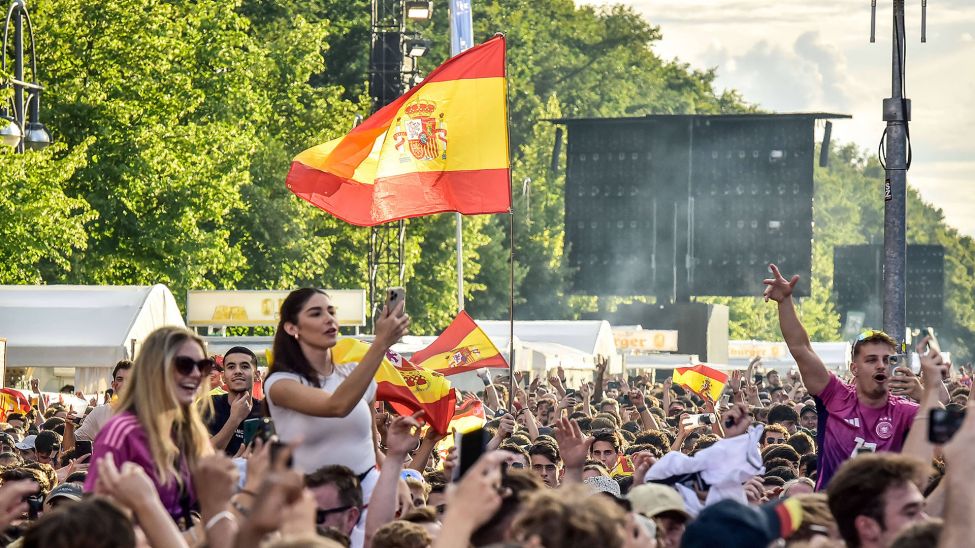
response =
{"points": [[729, 523], [47, 441], [651, 499], [27, 444], [602, 484], [71, 490], [408, 473]]}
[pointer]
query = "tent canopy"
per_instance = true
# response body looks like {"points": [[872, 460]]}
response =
{"points": [[80, 326]]}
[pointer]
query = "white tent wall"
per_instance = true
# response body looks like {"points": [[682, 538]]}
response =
{"points": [[61, 333]]}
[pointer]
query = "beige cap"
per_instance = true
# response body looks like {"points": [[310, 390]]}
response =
{"points": [[651, 499]]}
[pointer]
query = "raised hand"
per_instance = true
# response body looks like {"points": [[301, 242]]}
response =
{"points": [[392, 325], [573, 444], [13, 503], [130, 485], [403, 434], [482, 483], [933, 366], [642, 462], [778, 288], [601, 363], [638, 399], [506, 426], [735, 420], [215, 478]]}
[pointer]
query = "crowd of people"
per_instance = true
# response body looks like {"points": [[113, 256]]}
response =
{"points": [[186, 453]]}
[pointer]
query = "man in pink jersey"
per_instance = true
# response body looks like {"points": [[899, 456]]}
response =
{"points": [[853, 418]]}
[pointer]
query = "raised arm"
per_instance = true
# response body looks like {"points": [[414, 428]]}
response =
{"points": [[815, 376], [309, 400], [917, 444]]}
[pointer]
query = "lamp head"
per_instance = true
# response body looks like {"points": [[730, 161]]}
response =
{"points": [[10, 133]]}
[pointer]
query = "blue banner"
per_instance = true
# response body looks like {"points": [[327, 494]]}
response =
{"points": [[461, 26]]}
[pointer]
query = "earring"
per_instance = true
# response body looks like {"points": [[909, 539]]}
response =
{"points": [[296, 336]]}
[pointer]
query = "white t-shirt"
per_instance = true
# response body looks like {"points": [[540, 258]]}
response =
{"points": [[326, 440], [94, 422]]}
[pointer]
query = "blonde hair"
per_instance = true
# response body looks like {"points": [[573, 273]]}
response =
{"points": [[150, 394]]}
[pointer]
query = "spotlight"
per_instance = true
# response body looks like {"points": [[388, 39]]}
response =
{"points": [[419, 9]]}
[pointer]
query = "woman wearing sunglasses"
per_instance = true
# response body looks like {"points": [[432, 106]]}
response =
{"points": [[157, 422]]}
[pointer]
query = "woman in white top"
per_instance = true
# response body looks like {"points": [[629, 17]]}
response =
{"points": [[329, 407]]}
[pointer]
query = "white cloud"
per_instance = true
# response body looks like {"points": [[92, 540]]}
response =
{"points": [[806, 56]]}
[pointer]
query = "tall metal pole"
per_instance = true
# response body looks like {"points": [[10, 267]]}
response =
{"points": [[897, 113], [19, 110], [461, 38]]}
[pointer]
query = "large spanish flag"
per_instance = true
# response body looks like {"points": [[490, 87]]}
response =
{"points": [[701, 380], [404, 386], [463, 346], [443, 146]]}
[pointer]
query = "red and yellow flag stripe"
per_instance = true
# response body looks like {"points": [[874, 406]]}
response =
{"points": [[443, 146]]}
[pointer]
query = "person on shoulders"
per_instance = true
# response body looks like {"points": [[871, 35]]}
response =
{"points": [[158, 421]]}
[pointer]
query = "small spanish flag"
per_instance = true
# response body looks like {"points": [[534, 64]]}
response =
{"points": [[463, 346], [443, 146], [468, 416], [624, 467], [12, 401], [701, 380], [404, 386]]}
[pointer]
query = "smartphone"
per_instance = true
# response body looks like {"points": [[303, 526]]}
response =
{"points": [[613, 385], [758, 378], [81, 448], [276, 448], [896, 361], [265, 430], [625, 401], [470, 446], [35, 503], [250, 427], [394, 296], [943, 423]]}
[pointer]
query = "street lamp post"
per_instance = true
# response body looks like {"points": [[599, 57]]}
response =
{"points": [[23, 130]]}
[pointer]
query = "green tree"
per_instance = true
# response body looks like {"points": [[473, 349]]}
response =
{"points": [[40, 225]]}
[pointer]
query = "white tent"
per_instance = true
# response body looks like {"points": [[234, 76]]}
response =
{"points": [[66, 334], [775, 355]]}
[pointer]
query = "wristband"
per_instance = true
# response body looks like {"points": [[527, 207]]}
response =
{"points": [[486, 381], [641, 410], [224, 514]]}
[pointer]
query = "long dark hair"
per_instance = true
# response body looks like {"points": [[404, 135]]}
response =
{"points": [[287, 354]]}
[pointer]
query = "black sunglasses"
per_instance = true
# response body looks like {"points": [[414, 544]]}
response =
{"points": [[322, 515], [185, 365]]}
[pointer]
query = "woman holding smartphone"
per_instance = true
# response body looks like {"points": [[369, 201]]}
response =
{"points": [[157, 422], [328, 407]]}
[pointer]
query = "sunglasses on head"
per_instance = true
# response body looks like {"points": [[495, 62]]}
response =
{"points": [[185, 365]]}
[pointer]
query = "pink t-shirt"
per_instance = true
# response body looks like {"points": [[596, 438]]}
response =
{"points": [[127, 441], [847, 428]]}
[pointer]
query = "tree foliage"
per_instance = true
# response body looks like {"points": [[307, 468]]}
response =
{"points": [[177, 123]]}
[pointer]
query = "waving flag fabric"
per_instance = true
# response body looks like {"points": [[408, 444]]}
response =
{"points": [[404, 386], [463, 346], [701, 380], [12, 401], [443, 146]]}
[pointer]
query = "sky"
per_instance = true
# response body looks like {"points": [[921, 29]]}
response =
{"points": [[801, 56]]}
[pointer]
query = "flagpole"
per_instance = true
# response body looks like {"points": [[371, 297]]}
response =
{"points": [[511, 252], [461, 38]]}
